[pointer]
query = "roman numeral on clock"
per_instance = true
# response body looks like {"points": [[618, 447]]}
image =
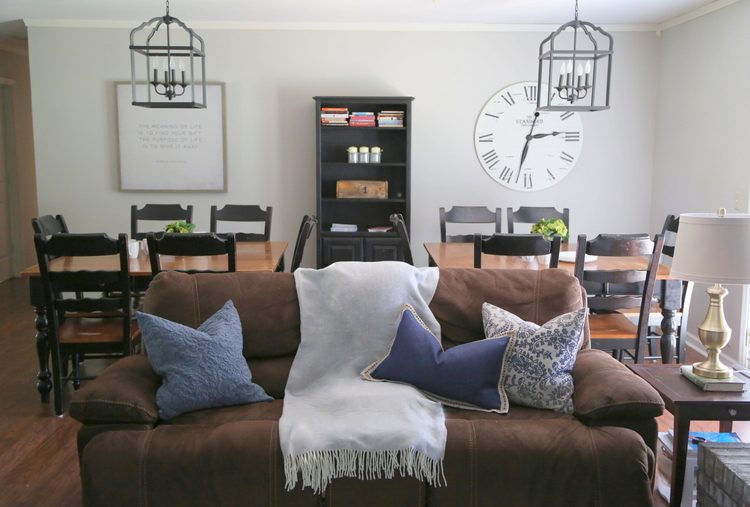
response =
{"points": [[495, 116], [566, 115], [506, 174], [567, 157], [551, 176], [507, 97], [527, 183], [572, 136], [530, 92], [490, 159], [486, 138]]}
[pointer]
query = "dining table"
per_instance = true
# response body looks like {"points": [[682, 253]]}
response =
{"points": [[251, 256], [668, 289]]}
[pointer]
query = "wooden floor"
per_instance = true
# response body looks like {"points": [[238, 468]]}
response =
{"points": [[38, 458]]}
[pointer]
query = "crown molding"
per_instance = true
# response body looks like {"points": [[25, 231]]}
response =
{"points": [[697, 13], [333, 27]]}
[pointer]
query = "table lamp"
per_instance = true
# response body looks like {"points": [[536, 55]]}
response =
{"points": [[713, 248]]}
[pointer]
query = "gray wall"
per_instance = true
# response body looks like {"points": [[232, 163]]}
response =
{"points": [[702, 134], [271, 77]]}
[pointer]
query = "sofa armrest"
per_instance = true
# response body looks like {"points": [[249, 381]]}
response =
{"points": [[606, 389], [124, 392]]}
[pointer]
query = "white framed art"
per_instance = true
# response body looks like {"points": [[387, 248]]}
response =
{"points": [[171, 149]]}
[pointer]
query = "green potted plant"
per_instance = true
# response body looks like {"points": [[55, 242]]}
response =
{"points": [[549, 227], [180, 226]]}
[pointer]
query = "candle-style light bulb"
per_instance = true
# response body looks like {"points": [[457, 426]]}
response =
{"points": [[579, 75], [588, 72], [181, 67], [155, 68], [171, 69], [562, 74], [569, 72], [164, 69]]}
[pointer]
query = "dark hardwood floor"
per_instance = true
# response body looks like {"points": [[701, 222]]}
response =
{"points": [[38, 457]]}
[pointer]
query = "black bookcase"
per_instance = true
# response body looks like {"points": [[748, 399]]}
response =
{"points": [[332, 166]]}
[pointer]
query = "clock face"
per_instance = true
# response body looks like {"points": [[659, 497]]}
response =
{"points": [[523, 151]]}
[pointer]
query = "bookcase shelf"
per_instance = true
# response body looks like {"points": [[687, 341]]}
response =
{"points": [[332, 166]]}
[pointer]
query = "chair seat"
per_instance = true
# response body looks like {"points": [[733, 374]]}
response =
{"points": [[611, 325], [92, 330]]}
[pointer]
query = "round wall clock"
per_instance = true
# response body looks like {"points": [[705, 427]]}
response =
{"points": [[521, 148]]}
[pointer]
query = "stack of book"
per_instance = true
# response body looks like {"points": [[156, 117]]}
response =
{"points": [[664, 461], [343, 227], [334, 116], [362, 119], [391, 119], [735, 383]]}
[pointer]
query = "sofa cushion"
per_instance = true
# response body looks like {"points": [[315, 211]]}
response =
{"points": [[202, 367], [540, 358], [466, 376]]}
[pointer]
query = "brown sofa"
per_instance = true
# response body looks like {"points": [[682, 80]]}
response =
{"points": [[603, 455]]}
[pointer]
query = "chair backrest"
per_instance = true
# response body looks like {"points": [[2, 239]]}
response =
{"points": [[48, 225], [243, 213], [468, 215], [613, 289], [397, 219], [516, 244], [532, 214], [305, 228], [159, 212], [108, 290], [205, 244], [670, 230]]}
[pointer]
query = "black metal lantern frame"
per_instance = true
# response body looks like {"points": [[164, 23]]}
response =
{"points": [[171, 83], [581, 69]]}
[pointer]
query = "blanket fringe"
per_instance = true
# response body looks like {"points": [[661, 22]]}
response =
{"points": [[318, 468]]}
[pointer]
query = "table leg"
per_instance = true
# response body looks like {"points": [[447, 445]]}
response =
{"points": [[44, 382], [725, 426], [669, 335], [679, 456]]}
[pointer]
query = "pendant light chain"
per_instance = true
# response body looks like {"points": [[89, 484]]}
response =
{"points": [[576, 8]]}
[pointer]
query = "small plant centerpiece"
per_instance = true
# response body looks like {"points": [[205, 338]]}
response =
{"points": [[549, 227], [180, 226]]}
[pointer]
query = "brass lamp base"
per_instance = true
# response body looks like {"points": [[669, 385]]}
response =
{"points": [[714, 334]]}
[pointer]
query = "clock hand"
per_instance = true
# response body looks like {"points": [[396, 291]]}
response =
{"points": [[525, 150], [539, 136]]}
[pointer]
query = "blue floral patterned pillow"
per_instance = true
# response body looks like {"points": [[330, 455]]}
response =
{"points": [[540, 358]]}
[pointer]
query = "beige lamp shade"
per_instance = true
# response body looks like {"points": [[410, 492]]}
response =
{"points": [[713, 249]]}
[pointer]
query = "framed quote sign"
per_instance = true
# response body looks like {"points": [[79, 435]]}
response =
{"points": [[168, 149]]}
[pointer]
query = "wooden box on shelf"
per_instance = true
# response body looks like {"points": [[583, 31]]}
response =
{"points": [[361, 189]]}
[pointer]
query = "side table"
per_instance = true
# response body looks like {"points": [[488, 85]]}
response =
{"points": [[687, 402]]}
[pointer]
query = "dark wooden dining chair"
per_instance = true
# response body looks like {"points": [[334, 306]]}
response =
{"points": [[305, 228], [206, 244], [47, 225], [399, 225], [243, 213], [669, 231], [610, 290], [467, 215], [517, 245], [532, 214], [157, 212], [98, 325]]}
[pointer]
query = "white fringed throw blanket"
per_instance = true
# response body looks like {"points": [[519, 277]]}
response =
{"points": [[335, 424]]}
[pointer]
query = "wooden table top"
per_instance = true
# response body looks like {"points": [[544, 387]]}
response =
{"points": [[676, 389], [251, 256], [461, 255]]}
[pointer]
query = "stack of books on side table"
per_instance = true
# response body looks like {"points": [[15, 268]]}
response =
{"points": [[334, 116], [735, 383], [391, 119], [664, 462], [362, 119]]}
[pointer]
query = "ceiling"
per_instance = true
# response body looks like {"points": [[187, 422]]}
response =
{"points": [[502, 12]]}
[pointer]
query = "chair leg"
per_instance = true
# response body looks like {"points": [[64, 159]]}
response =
{"points": [[76, 371], [56, 378]]}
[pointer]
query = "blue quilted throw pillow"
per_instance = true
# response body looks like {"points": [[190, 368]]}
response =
{"points": [[465, 376], [540, 358], [200, 368]]}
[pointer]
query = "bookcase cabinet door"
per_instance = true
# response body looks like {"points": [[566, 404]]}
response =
{"points": [[383, 249], [341, 249]]}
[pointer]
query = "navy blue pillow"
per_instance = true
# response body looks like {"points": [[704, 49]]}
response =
{"points": [[200, 368], [466, 376]]}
